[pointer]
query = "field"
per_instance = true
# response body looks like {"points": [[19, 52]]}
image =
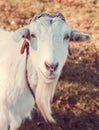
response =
{"points": [[76, 100]]}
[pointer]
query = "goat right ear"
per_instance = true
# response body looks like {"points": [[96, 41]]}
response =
{"points": [[21, 33], [26, 42]]}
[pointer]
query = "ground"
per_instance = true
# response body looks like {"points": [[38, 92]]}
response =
{"points": [[76, 100]]}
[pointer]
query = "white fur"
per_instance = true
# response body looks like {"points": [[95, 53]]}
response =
{"points": [[16, 101]]}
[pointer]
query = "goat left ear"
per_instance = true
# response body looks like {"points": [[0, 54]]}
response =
{"points": [[79, 36]]}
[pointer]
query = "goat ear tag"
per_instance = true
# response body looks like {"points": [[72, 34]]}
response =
{"points": [[23, 47], [69, 51], [70, 54]]}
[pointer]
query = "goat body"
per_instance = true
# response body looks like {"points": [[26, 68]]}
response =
{"points": [[16, 101]]}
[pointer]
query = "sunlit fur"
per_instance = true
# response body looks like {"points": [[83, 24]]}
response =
{"points": [[16, 101]]}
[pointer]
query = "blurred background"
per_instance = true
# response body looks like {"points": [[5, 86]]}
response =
{"points": [[76, 100]]}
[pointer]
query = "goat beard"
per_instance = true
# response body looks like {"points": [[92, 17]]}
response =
{"points": [[44, 96]]}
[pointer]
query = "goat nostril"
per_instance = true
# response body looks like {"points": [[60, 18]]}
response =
{"points": [[56, 66], [51, 67], [47, 65]]}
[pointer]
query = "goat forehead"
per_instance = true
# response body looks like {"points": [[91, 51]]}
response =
{"points": [[43, 26], [49, 22]]}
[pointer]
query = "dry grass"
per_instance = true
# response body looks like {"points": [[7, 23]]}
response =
{"points": [[76, 101]]}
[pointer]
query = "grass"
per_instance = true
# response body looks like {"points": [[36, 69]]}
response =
{"points": [[76, 101]]}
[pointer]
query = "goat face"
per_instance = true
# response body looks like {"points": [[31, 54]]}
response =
{"points": [[50, 45], [49, 37]]}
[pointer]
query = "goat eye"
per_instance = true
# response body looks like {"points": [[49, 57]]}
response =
{"points": [[33, 36], [67, 37]]}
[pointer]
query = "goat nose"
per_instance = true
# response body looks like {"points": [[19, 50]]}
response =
{"points": [[51, 67]]}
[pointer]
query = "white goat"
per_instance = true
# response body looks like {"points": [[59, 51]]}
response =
{"points": [[46, 41]]}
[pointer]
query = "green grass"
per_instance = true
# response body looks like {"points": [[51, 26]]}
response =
{"points": [[76, 100]]}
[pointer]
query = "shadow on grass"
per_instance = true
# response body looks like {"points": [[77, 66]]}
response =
{"points": [[84, 121], [80, 73], [67, 121]]}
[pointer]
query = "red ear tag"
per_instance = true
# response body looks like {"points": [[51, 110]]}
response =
{"points": [[23, 47]]}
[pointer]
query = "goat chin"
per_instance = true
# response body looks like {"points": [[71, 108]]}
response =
{"points": [[44, 96]]}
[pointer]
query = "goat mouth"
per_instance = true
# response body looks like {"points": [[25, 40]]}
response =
{"points": [[52, 77]]}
